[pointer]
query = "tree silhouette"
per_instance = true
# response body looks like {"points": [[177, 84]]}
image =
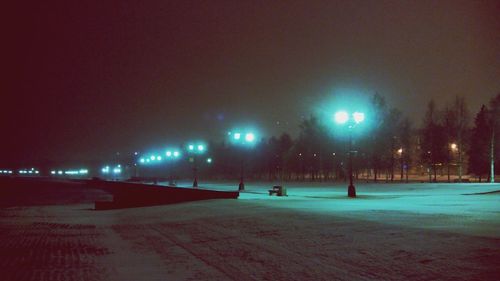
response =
{"points": [[479, 144], [405, 137], [433, 141]]}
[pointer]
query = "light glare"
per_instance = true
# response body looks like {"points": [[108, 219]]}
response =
{"points": [[341, 117], [250, 137], [358, 117]]}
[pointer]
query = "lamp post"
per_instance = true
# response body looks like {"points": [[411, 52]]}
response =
{"points": [[195, 149], [342, 117], [242, 139], [171, 155]]}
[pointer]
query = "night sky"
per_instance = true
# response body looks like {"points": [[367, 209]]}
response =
{"points": [[85, 79]]}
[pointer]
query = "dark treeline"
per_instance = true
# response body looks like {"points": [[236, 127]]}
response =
{"points": [[450, 142]]}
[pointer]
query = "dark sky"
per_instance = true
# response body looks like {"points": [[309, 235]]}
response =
{"points": [[85, 79]]}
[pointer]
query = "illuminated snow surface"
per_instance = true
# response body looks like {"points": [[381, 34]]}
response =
{"points": [[390, 232]]}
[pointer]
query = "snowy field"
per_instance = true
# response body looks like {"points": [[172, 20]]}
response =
{"points": [[390, 232]]}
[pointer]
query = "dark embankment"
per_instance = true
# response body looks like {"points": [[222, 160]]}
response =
{"points": [[24, 191], [18, 191], [128, 195]]}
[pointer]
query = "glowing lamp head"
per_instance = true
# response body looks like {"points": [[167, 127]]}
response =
{"points": [[153, 157], [358, 117], [209, 160], [201, 147], [158, 158], [237, 136], [249, 137], [341, 117], [142, 160], [176, 154], [191, 147], [169, 153]]}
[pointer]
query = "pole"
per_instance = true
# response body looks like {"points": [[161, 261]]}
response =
{"points": [[195, 170], [351, 190], [492, 157], [241, 186]]}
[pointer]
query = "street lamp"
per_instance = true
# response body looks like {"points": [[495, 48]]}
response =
{"points": [[342, 117], [171, 155], [194, 149], [242, 139]]}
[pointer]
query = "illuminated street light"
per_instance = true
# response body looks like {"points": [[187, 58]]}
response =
{"points": [[172, 155], [249, 137], [104, 170], [209, 160], [358, 117], [342, 117], [247, 141], [454, 146], [200, 148]]}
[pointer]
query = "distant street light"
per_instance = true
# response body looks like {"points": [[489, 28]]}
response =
{"points": [[342, 117], [172, 155], [247, 141], [454, 146], [194, 149]]}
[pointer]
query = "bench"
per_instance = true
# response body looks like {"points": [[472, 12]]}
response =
{"points": [[278, 190]]}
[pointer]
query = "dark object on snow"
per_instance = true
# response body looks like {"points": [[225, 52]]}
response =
{"points": [[278, 190], [129, 195]]}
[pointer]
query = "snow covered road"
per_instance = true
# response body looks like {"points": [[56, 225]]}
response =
{"points": [[391, 232]]}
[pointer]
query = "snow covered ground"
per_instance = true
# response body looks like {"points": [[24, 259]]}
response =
{"points": [[389, 232]]}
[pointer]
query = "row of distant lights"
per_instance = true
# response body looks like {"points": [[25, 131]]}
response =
{"points": [[248, 137], [31, 171], [342, 117], [116, 170], [169, 154], [5, 172], [70, 172]]}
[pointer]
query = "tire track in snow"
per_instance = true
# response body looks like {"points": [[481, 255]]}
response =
{"points": [[254, 258], [228, 273]]}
